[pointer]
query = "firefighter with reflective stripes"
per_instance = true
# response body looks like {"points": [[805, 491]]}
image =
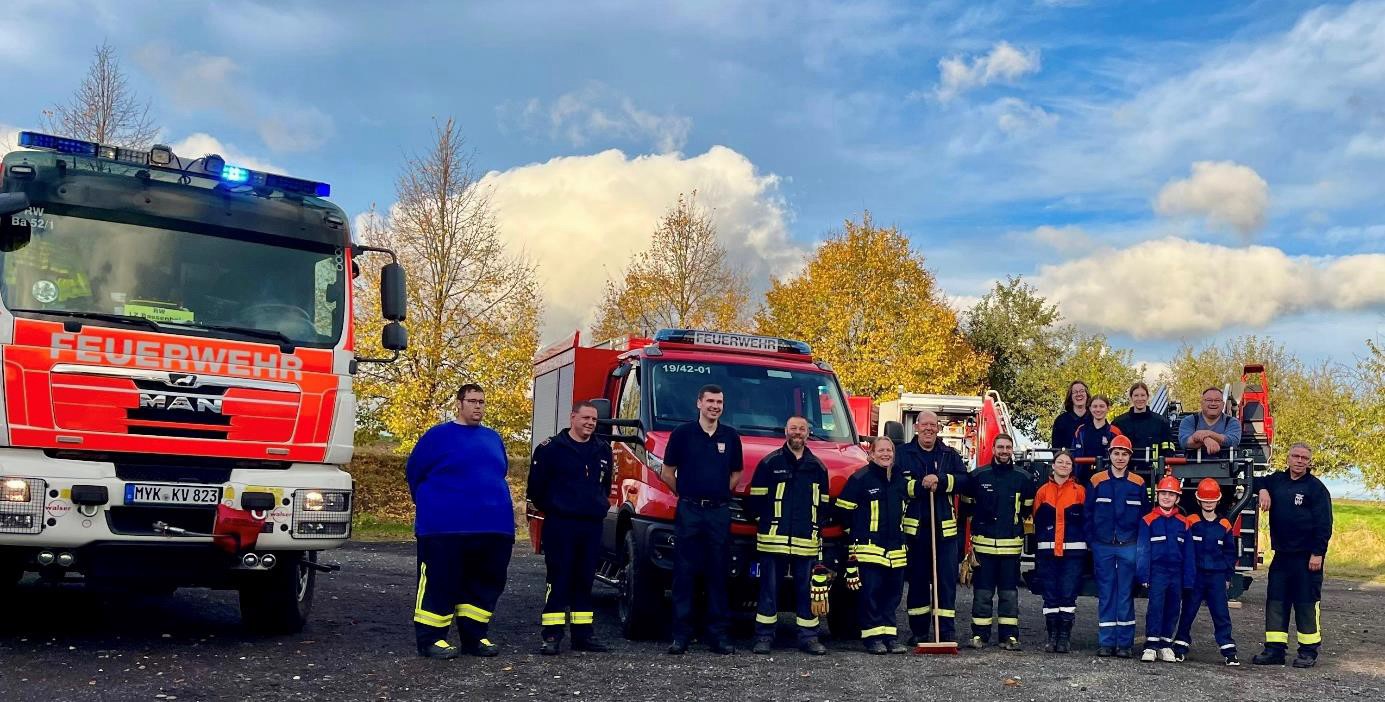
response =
{"points": [[1164, 565], [1060, 552], [872, 505], [1300, 510], [1116, 501], [788, 497], [465, 522], [998, 498], [570, 482], [1215, 549], [932, 467]]}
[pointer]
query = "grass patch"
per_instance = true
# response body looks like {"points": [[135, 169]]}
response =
{"points": [[368, 527], [1357, 549]]}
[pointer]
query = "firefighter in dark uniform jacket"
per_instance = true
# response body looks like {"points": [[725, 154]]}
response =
{"points": [[570, 481], [935, 468], [998, 498], [1215, 554], [702, 463], [1300, 510], [788, 498], [1116, 502], [873, 503]]}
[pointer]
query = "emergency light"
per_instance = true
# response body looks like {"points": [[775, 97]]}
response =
{"points": [[162, 157], [728, 340]]}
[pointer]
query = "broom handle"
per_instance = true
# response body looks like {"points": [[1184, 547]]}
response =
{"points": [[933, 539]]}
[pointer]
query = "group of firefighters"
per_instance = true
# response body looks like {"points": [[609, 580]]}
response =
{"points": [[900, 526]]}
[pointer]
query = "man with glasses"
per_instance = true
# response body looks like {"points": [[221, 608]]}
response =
{"points": [[1210, 431], [1300, 508], [465, 523], [940, 473]]}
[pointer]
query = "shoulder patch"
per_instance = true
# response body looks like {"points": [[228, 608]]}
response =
{"points": [[545, 441], [1149, 518], [1135, 478], [1099, 478], [1191, 520], [1226, 523]]}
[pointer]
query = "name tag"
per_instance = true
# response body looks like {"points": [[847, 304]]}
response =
{"points": [[721, 447]]}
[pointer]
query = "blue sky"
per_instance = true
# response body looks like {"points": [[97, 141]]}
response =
{"points": [[1165, 171]]}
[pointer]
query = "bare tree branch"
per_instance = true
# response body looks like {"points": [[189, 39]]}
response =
{"points": [[104, 108]]}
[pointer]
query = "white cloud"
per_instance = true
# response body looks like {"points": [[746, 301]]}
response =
{"points": [[200, 144], [582, 218], [1067, 240], [1153, 370], [596, 112], [1172, 288], [1015, 116], [1004, 62], [1228, 194]]}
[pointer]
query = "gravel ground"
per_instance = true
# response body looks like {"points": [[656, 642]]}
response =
{"points": [[73, 645]]}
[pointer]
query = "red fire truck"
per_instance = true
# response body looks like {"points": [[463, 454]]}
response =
{"points": [[177, 342], [646, 387]]}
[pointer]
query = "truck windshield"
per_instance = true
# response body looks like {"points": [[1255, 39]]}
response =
{"points": [[96, 269], [759, 400]]}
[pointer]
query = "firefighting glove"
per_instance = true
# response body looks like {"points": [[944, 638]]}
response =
{"points": [[853, 575], [822, 583], [969, 564]]}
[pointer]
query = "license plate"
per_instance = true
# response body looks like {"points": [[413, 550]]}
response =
{"points": [[143, 493]]}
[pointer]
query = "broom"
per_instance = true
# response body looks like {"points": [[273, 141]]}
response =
{"points": [[936, 646]]}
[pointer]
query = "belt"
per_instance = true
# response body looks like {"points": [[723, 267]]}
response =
{"points": [[705, 503], [1117, 543]]}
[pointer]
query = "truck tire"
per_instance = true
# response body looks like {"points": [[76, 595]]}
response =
{"points": [[640, 600], [279, 601]]}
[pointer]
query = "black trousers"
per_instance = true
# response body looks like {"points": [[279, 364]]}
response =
{"points": [[920, 601], [1293, 587], [996, 577], [1060, 578], [773, 568], [571, 550], [881, 590], [701, 552], [460, 578]]}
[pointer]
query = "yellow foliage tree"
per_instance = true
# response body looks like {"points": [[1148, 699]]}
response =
{"points": [[683, 280], [868, 306], [473, 311]]}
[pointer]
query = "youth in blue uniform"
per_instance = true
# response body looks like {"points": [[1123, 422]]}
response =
{"points": [[1164, 565], [1214, 555], [465, 523], [1093, 439], [1116, 500]]}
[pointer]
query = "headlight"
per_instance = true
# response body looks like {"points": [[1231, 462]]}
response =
{"points": [[319, 501], [14, 490], [321, 514]]}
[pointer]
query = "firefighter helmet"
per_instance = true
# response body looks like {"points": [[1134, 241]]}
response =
{"points": [[1208, 490], [1169, 483], [1121, 442]]}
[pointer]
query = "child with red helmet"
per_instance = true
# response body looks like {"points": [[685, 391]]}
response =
{"points": [[1164, 565], [1214, 556]]}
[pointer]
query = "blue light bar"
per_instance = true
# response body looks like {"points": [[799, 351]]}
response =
{"points": [[234, 174], [62, 145], [726, 340]]}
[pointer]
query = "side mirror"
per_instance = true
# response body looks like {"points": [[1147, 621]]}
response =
{"points": [[13, 203], [394, 337], [14, 235], [603, 407], [393, 292]]}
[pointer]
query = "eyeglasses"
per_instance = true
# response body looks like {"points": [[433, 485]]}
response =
{"points": [[470, 401]]}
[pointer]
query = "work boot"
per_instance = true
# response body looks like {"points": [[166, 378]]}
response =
{"points": [[1149, 656], [1302, 661], [1166, 655], [894, 646], [483, 649], [1232, 660], [591, 644], [1064, 642], [1011, 644], [721, 648], [1104, 652], [813, 647], [763, 647], [549, 647], [1270, 656], [1123, 652], [876, 647], [1050, 625], [977, 642], [440, 649]]}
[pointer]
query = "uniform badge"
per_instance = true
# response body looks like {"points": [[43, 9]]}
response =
{"points": [[721, 447], [1298, 499]]}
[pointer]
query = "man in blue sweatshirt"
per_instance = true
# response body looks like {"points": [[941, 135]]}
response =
{"points": [[465, 523]]}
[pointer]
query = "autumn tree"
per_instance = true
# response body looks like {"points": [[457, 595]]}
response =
{"points": [[474, 307], [682, 280], [868, 305], [104, 108], [1367, 429]]}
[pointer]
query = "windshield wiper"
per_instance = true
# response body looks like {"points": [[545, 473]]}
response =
{"points": [[271, 334], [133, 320]]}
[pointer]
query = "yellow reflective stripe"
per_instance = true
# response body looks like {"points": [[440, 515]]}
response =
{"points": [[553, 618], [474, 613], [779, 501], [878, 631], [916, 611], [583, 617], [983, 621], [988, 541], [759, 491], [951, 482], [1017, 508], [1277, 637], [429, 619], [875, 516], [998, 551], [948, 613], [772, 538], [845, 504], [820, 579], [766, 618], [949, 524], [806, 623], [1310, 639], [910, 521], [909, 488], [441, 643], [1009, 620], [872, 549], [814, 508], [781, 549], [873, 560], [422, 585]]}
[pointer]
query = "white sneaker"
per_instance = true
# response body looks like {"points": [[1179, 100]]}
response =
{"points": [[1166, 655], [1149, 655]]}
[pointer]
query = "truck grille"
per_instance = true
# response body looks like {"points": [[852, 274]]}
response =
{"points": [[139, 520]]}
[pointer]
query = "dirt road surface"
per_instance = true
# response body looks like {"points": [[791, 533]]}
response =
{"points": [[67, 644]]}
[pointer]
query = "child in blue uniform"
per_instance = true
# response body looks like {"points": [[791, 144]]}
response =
{"points": [[1164, 565], [1214, 556]]}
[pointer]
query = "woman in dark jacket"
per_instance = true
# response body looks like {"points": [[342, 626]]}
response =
{"points": [[1093, 440], [1147, 430], [1074, 415]]}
